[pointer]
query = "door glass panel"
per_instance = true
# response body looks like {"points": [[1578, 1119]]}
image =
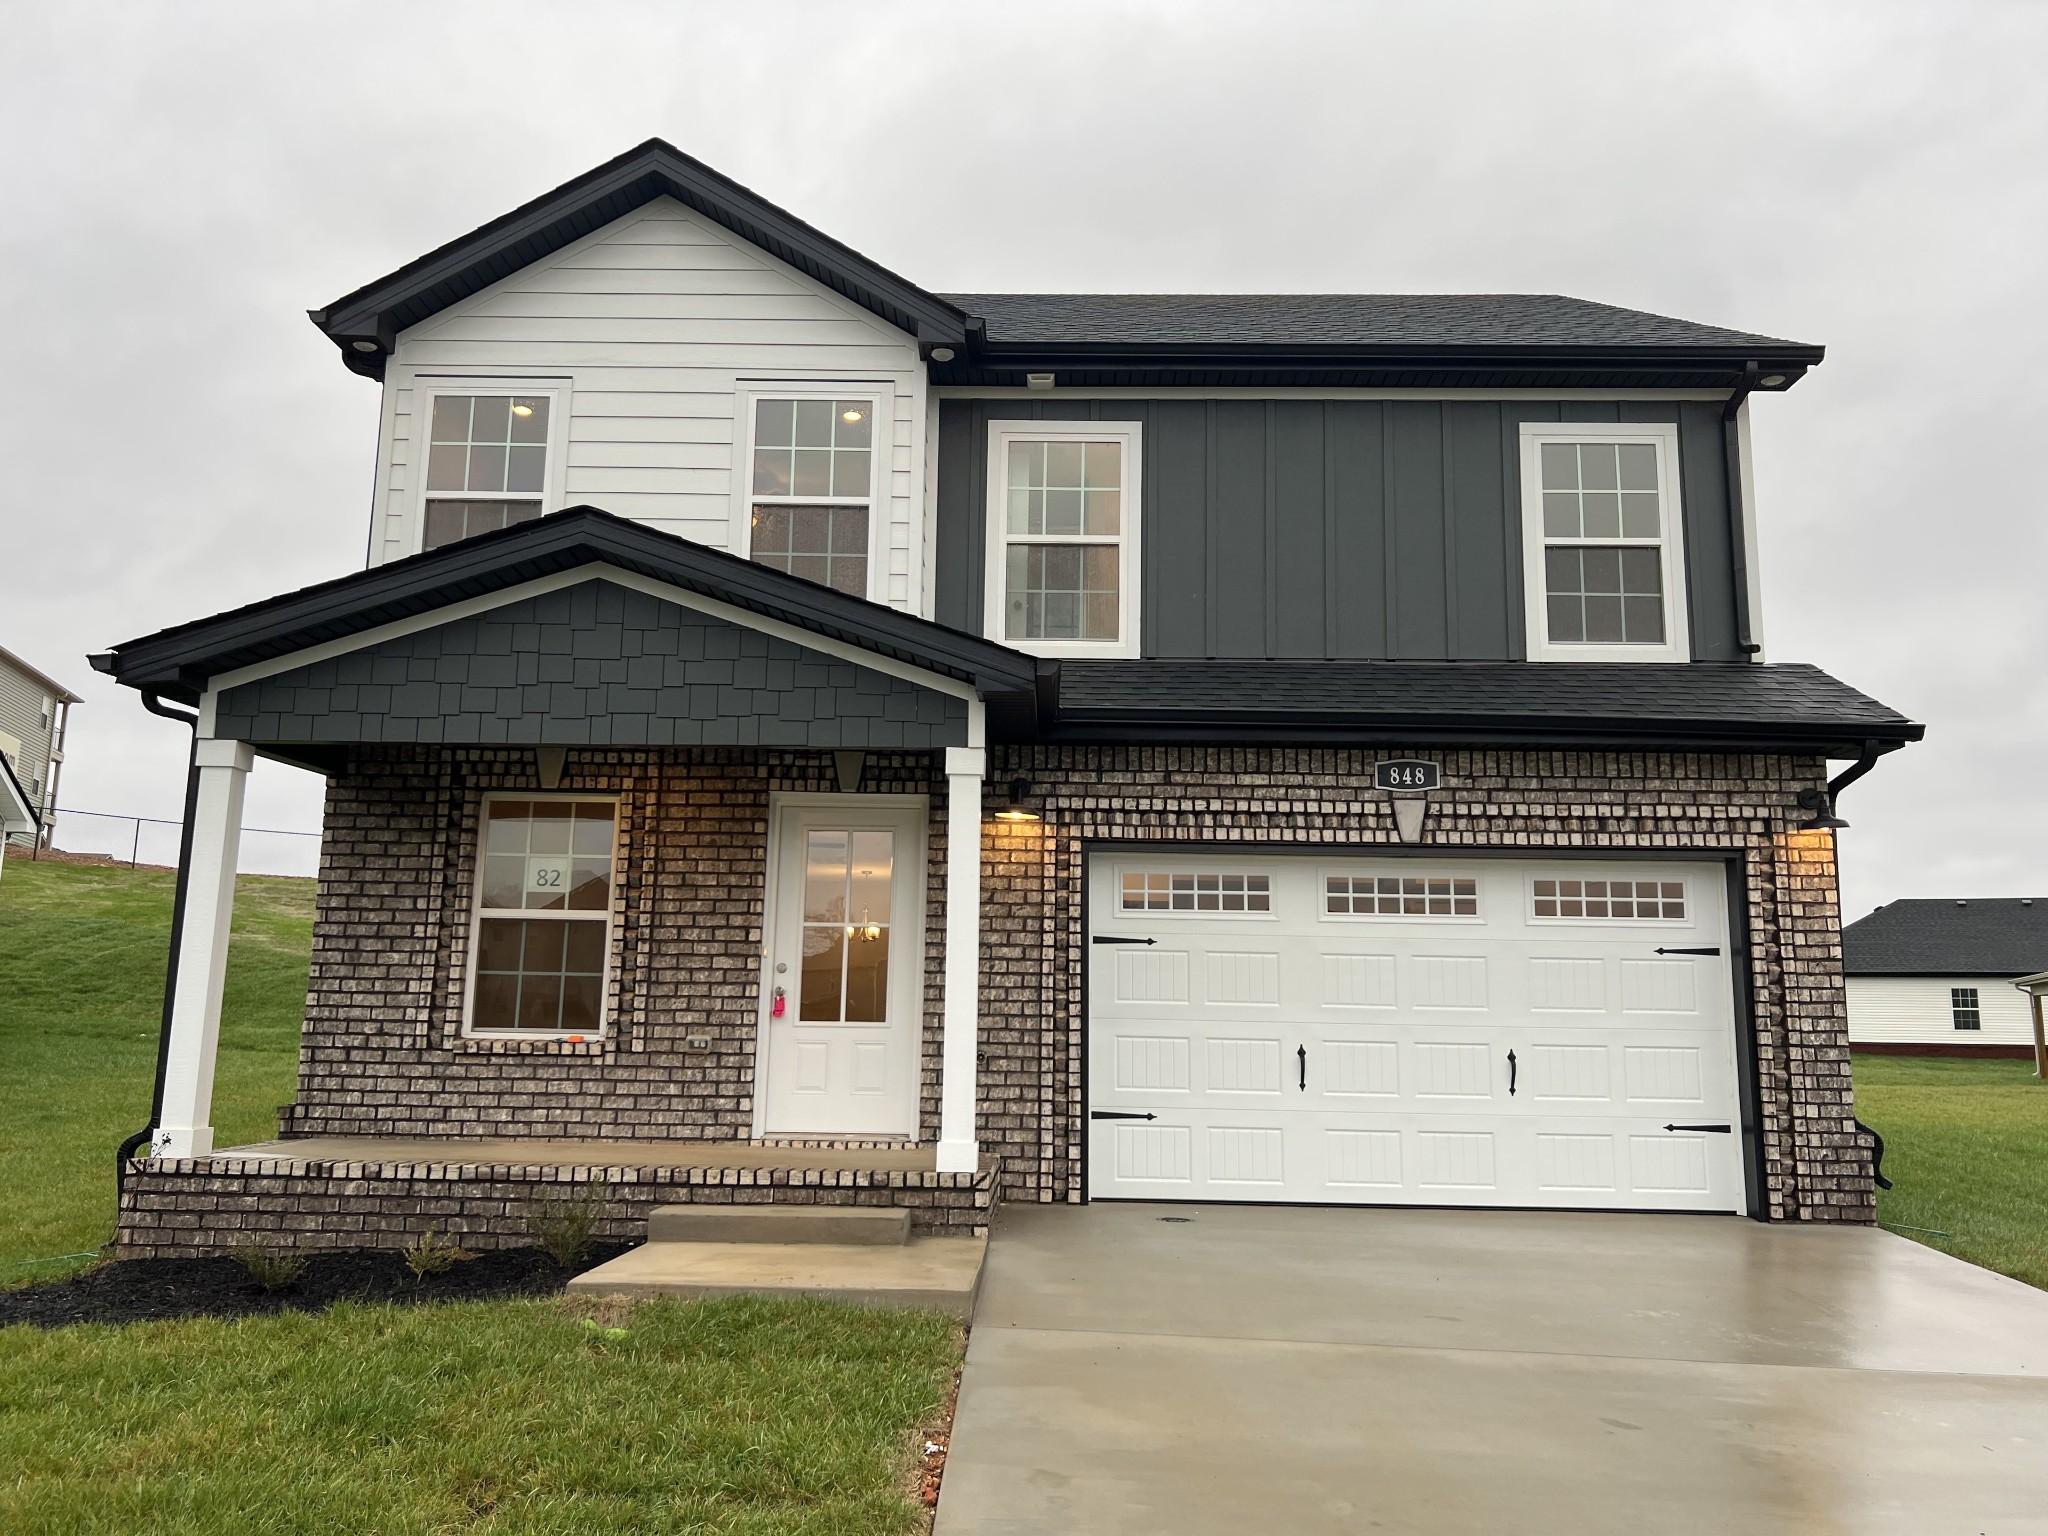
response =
{"points": [[848, 884]]}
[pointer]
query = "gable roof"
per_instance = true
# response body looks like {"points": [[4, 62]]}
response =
{"points": [[1998, 936], [179, 662], [1388, 340], [64, 695], [16, 814], [364, 324]]}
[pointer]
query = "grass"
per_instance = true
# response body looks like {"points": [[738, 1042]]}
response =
{"points": [[82, 952], [1966, 1146], [736, 1417]]}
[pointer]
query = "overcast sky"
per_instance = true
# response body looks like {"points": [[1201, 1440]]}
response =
{"points": [[183, 181]]}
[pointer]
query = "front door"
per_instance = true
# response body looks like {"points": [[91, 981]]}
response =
{"points": [[845, 963]]}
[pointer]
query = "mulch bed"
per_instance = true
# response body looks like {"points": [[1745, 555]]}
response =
{"points": [[144, 1290]]}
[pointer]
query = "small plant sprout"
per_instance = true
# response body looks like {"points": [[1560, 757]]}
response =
{"points": [[564, 1223], [429, 1254], [274, 1269]]}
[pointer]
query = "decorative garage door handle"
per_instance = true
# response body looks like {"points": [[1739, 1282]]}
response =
{"points": [[1725, 1130], [1118, 1114], [1301, 1060], [1111, 938], [1710, 950], [1511, 1074]]}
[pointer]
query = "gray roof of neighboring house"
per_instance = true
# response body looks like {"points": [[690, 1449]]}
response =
{"points": [[1996, 936], [1791, 706], [1338, 319]]}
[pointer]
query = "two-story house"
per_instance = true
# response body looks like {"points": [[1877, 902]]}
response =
{"points": [[35, 712], [802, 736]]}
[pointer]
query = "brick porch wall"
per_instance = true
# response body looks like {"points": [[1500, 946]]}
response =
{"points": [[1816, 1165]]}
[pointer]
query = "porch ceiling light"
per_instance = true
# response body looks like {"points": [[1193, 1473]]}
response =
{"points": [[1017, 810]]}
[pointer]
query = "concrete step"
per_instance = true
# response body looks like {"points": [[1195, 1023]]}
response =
{"points": [[839, 1224], [939, 1273]]}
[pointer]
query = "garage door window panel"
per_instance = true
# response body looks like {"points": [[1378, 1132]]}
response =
{"points": [[1608, 900], [1401, 896], [1165, 892]]}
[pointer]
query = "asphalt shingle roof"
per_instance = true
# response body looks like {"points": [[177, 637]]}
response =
{"points": [[1336, 319], [1998, 936]]}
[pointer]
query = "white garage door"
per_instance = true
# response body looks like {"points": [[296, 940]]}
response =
{"points": [[1400, 1031]]}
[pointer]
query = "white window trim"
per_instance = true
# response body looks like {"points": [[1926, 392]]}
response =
{"points": [[477, 914], [881, 401], [1130, 569], [424, 390], [1663, 435]]}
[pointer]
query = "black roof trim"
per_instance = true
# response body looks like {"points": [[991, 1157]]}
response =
{"points": [[1733, 706], [376, 312], [178, 662]]}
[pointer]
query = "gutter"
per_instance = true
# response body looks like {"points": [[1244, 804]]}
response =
{"points": [[156, 706]]}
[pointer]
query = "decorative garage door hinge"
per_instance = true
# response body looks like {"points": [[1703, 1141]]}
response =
{"points": [[1111, 938], [1714, 949], [1725, 1130], [1119, 1114]]}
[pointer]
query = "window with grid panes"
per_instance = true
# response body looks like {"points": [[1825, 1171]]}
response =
{"points": [[544, 898], [1663, 900], [1401, 896], [1964, 1009], [1603, 544], [1063, 515], [487, 464], [1159, 891], [813, 497]]}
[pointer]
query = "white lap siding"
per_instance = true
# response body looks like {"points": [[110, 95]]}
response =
{"points": [[1915, 1010], [654, 323]]}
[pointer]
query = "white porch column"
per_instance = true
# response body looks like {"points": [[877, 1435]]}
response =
{"points": [[184, 1130], [959, 1150]]}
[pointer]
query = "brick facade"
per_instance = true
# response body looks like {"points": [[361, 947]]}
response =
{"points": [[384, 1053]]}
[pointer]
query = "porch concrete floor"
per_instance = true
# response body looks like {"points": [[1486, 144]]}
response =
{"points": [[552, 1152], [1212, 1369]]}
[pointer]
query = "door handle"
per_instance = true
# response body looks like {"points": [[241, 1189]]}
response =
{"points": [[1301, 1060], [1114, 938], [1119, 1114], [1712, 949], [1511, 1074]]}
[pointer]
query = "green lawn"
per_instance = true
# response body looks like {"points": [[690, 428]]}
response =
{"points": [[1966, 1146], [731, 1416], [82, 953]]}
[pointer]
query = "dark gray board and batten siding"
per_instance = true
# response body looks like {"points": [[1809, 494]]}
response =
{"points": [[1341, 529]]}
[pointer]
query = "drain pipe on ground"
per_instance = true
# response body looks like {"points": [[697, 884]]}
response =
{"points": [[156, 706]]}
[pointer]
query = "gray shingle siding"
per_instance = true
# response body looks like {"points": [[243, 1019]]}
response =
{"points": [[592, 665]]}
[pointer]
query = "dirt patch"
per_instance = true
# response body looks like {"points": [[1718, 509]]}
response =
{"points": [[144, 1290]]}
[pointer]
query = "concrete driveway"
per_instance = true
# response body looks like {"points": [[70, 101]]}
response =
{"points": [[1240, 1369]]}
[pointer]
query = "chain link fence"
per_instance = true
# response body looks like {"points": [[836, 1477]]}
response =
{"points": [[150, 841]]}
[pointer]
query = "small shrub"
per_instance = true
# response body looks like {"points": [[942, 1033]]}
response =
{"points": [[431, 1255], [272, 1268], [564, 1223]]}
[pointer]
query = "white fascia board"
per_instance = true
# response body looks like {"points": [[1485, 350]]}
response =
{"points": [[938, 682]]}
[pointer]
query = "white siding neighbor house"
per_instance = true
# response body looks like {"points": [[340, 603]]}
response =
{"points": [[1936, 977], [17, 817], [34, 710]]}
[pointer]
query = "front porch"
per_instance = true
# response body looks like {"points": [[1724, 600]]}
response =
{"points": [[384, 1191]]}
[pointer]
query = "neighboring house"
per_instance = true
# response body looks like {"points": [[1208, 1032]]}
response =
{"points": [[35, 709], [827, 739], [17, 817], [1935, 978]]}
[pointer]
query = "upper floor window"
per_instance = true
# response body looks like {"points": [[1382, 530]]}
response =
{"points": [[1062, 575], [813, 476], [1605, 569], [1964, 1009], [487, 463]]}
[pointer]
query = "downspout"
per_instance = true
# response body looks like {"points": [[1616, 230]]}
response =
{"points": [[1738, 539], [156, 706]]}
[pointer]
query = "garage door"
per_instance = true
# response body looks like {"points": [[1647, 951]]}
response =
{"points": [[1390, 1031]]}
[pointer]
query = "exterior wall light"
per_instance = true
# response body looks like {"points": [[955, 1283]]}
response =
{"points": [[1016, 809], [942, 354], [366, 346], [1819, 805], [1038, 381]]}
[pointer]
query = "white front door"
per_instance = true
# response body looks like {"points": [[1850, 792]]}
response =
{"points": [[1515, 1032], [845, 967]]}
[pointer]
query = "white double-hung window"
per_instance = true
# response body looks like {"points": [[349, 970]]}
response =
{"points": [[1603, 545], [1063, 524], [490, 460], [811, 478]]}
